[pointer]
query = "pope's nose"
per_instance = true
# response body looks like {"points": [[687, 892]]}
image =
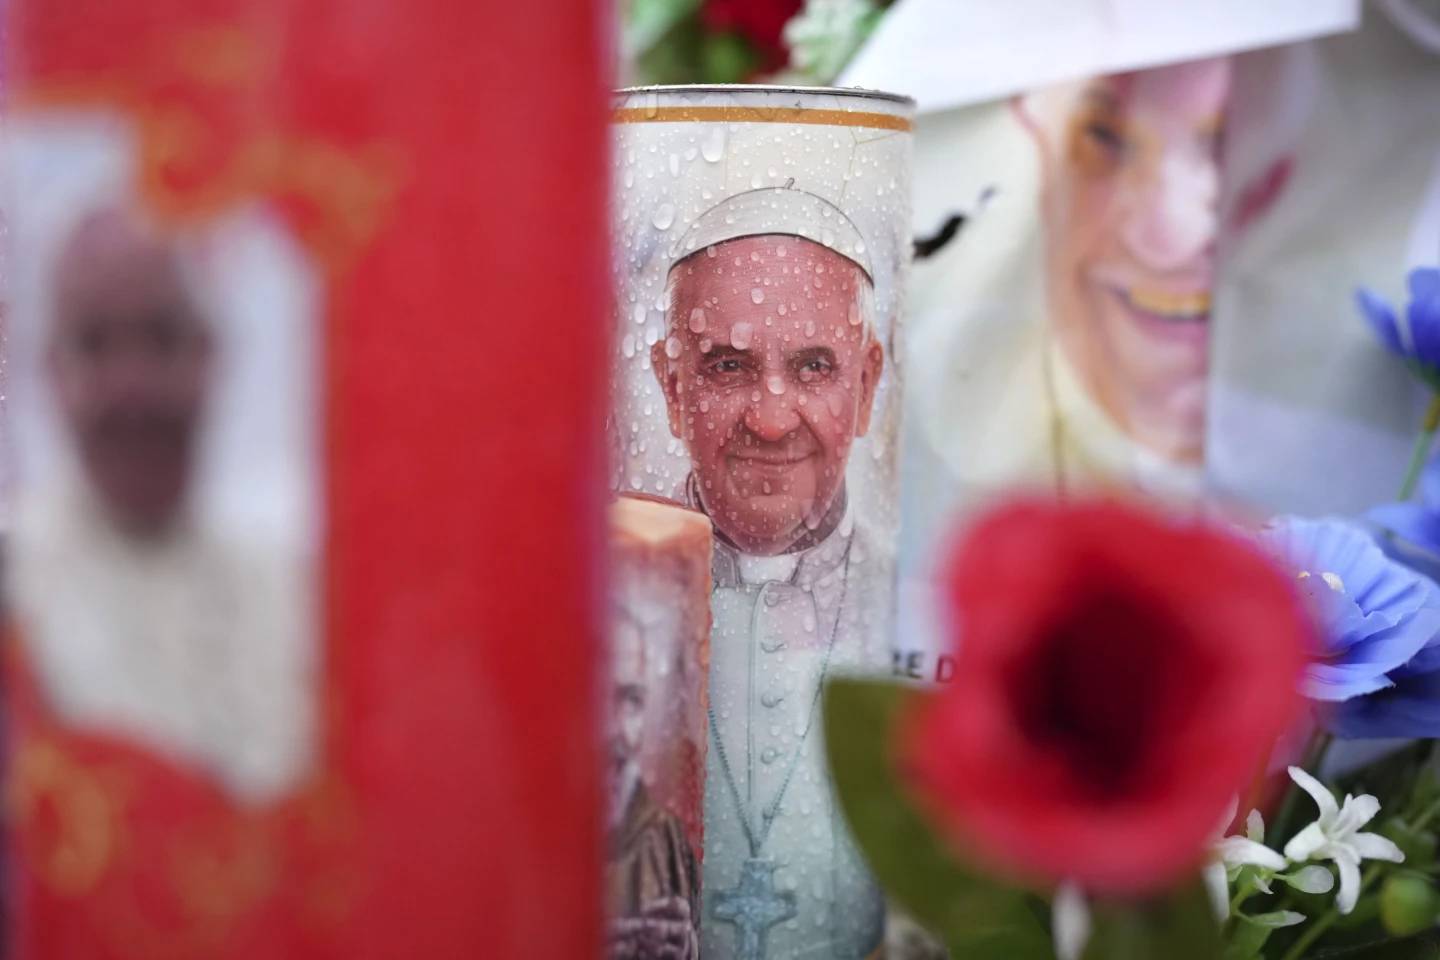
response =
{"points": [[1174, 220], [772, 417]]}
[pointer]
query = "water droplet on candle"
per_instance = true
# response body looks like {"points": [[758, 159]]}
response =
{"points": [[713, 147]]}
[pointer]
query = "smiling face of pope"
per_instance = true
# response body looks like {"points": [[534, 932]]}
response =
{"points": [[1132, 169], [769, 375]]}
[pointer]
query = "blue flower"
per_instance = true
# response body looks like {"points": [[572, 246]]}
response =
{"points": [[1416, 523], [1417, 340], [1380, 629]]}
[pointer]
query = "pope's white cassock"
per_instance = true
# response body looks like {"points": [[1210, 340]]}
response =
{"points": [[192, 645], [781, 625]]}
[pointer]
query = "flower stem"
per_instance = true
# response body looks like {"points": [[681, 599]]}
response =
{"points": [[1426, 815], [1316, 929], [1421, 453]]}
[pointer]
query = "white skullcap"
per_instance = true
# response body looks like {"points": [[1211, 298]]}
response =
{"points": [[775, 210]]}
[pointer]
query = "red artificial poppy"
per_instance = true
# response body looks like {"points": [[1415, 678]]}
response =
{"points": [[1120, 679], [761, 22]]}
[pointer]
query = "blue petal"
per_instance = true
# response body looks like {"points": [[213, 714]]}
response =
{"points": [[1424, 282], [1430, 485], [1426, 661], [1411, 708], [1394, 648], [1334, 685], [1332, 545], [1423, 316], [1381, 318], [1411, 522]]}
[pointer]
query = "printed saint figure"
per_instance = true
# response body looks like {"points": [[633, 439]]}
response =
{"points": [[769, 373]]}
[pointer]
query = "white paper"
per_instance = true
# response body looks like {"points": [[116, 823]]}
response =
{"points": [[947, 53]]}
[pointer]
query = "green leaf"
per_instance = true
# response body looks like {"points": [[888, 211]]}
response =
{"points": [[977, 918], [1249, 933], [1180, 926]]}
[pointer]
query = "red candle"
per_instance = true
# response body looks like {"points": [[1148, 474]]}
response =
{"points": [[439, 170]]}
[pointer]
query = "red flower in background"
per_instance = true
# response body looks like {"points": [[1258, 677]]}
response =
{"points": [[758, 21], [1120, 679]]}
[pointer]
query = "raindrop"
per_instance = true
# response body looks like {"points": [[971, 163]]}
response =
{"points": [[674, 164], [638, 313], [713, 147], [740, 337], [672, 348], [854, 314], [627, 346], [664, 216], [710, 250], [697, 320], [757, 295], [781, 309], [775, 384]]}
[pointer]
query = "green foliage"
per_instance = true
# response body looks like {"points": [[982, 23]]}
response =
{"points": [[977, 917], [1408, 903]]}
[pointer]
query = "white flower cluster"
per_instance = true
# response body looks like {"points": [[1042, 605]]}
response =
{"points": [[1335, 835]]}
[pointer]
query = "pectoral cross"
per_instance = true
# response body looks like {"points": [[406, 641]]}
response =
{"points": [[754, 906]]}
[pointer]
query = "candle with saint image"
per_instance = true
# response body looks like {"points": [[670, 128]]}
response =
{"points": [[764, 239], [305, 571]]}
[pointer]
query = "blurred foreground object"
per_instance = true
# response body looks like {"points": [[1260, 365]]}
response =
{"points": [[660, 656], [1120, 678], [294, 521]]}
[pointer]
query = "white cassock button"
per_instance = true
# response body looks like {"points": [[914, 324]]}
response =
{"points": [[769, 755]]}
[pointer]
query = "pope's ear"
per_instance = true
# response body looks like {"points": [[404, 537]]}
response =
{"points": [[669, 381], [874, 365]]}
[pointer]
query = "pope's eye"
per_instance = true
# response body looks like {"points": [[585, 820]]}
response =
{"points": [[1107, 135], [814, 369]]}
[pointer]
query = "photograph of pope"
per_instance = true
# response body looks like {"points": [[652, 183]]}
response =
{"points": [[769, 372]]}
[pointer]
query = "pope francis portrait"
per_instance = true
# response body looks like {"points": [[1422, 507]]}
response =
{"points": [[769, 374]]}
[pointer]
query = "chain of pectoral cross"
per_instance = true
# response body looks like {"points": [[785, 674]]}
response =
{"points": [[770, 812]]}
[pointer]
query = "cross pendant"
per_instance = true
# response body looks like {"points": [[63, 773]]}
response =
{"points": [[754, 906]]}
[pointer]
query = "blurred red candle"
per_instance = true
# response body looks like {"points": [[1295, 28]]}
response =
{"points": [[420, 188]]}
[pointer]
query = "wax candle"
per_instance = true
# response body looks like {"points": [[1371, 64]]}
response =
{"points": [[308, 299]]}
